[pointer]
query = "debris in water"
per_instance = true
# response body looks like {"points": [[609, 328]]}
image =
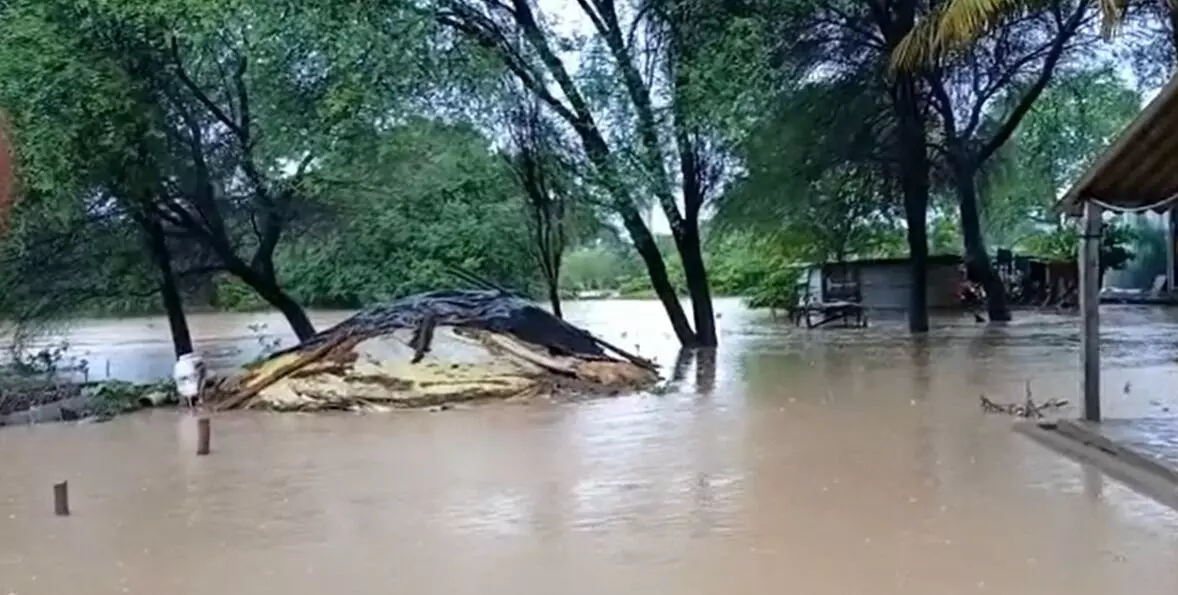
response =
{"points": [[1027, 409], [435, 349]]}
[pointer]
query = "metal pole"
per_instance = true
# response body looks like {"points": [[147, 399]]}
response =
{"points": [[1090, 311]]}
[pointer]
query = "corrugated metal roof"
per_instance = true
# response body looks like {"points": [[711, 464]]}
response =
{"points": [[936, 259], [1139, 170]]}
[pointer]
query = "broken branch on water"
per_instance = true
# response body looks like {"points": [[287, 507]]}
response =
{"points": [[1027, 409], [423, 336]]}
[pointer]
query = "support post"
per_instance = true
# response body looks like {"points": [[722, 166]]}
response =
{"points": [[1090, 311]]}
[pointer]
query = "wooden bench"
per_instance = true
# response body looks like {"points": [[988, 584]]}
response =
{"points": [[841, 300], [829, 312]]}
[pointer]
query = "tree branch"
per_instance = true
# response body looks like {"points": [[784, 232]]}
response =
{"points": [[203, 97], [639, 92], [1028, 100]]}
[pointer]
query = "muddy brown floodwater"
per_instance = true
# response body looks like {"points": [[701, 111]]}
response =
{"points": [[832, 462]]}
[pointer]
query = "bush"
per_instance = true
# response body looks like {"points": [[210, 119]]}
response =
{"points": [[777, 290], [236, 296]]}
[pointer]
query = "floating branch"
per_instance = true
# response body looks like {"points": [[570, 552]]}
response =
{"points": [[1027, 409]]}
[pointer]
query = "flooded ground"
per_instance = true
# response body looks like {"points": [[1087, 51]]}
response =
{"points": [[840, 462]]}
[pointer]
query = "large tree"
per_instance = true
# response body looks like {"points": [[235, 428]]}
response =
{"points": [[543, 174], [226, 105], [948, 118], [980, 97], [409, 206], [1061, 135], [828, 39], [822, 180], [643, 110], [82, 184]]}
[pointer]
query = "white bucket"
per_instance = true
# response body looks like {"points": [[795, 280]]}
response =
{"points": [[189, 375]]}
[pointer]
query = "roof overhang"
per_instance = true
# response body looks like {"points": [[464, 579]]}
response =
{"points": [[1139, 170]]}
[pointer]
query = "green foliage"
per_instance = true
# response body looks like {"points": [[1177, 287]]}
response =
{"points": [[1059, 243], [59, 260], [602, 266], [944, 232], [1066, 129], [205, 114], [779, 290], [814, 179], [234, 295], [107, 97], [739, 264], [1063, 243], [111, 398], [367, 147], [1115, 245], [764, 272], [431, 196]]}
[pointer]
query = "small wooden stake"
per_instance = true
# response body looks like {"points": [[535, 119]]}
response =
{"points": [[203, 435], [61, 498]]}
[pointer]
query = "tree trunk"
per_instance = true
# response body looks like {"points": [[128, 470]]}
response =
{"points": [[554, 298], [550, 267], [914, 181], [916, 214], [267, 288], [977, 257], [660, 282], [157, 245], [262, 279], [294, 313], [695, 275]]}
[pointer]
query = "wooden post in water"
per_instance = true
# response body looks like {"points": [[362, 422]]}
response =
{"points": [[203, 435], [61, 498], [1090, 311]]}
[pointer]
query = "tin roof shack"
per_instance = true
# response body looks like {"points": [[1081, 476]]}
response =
{"points": [[882, 283]]}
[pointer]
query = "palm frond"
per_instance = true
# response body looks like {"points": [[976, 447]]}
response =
{"points": [[920, 47], [954, 26]]}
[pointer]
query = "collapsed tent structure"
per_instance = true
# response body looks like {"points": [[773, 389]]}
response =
{"points": [[432, 349]]}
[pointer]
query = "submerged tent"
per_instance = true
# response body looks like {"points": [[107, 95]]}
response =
{"points": [[436, 348]]}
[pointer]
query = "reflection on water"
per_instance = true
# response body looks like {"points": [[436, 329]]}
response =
{"points": [[841, 461]]}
